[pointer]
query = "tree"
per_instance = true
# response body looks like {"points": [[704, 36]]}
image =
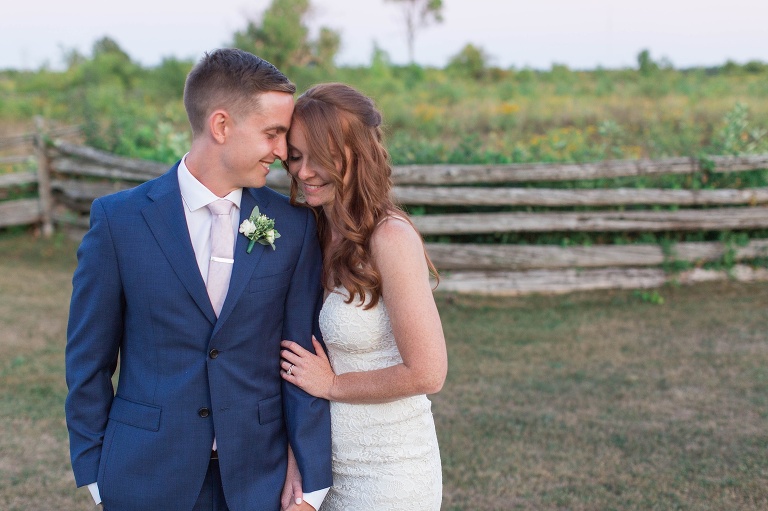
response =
{"points": [[108, 46], [381, 65], [282, 37], [110, 63], [326, 47], [470, 61], [645, 64], [71, 57], [418, 14], [167, 79]]}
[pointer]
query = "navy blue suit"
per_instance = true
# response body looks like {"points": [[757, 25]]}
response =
{"points": [[185, 375]]}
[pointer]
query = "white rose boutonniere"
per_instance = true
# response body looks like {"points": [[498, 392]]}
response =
{"points": [[259, 229]]}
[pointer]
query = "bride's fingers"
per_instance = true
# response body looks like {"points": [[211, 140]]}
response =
{"points": [[293, 346], [319, 348], [289, 356]]}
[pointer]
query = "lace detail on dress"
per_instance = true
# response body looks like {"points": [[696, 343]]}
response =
{"points": [[385, 456]]}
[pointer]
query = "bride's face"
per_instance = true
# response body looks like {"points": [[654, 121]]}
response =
{"points": [[314, 181]]}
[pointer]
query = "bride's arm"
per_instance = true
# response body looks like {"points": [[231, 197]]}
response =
{"points": [[399, 256]]}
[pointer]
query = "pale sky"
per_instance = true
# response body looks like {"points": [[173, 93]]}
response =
{"points": [[582, 34]]}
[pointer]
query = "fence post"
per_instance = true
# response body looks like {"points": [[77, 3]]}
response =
{"points": [[43, 179]]}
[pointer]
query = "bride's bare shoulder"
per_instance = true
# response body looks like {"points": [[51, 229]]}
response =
{"points": [[393, 229], [397, 243]]}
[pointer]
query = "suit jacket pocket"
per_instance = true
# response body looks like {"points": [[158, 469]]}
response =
{"points": [[269, 282], [135, 414], [270, 409]]}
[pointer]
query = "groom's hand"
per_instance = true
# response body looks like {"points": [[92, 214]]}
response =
{"points": [[292, 493], [289, 497]]}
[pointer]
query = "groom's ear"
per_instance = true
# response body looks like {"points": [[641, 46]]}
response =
{"points": [[219, 124]]}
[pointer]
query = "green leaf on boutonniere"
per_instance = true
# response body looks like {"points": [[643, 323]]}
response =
{"points": [[259, 229]]}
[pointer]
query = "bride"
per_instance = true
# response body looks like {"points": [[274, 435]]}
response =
{"points": [[386, 348]]}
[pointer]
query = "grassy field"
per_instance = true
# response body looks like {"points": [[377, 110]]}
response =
{"points": [[431, 115], [595, 401]]}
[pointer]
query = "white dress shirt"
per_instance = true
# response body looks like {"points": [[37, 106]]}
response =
{"points": [[196, 197]]}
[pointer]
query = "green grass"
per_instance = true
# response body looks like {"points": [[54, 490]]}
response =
{"points": [[602, 401], [590, 401], [34, 297]]}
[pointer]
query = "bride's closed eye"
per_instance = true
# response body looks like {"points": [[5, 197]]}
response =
{"points": [[294, 156]]}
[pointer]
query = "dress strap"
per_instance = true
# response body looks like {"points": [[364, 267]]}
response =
{"points": [[395, 217]]}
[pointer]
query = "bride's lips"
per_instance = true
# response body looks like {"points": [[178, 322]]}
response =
{"points": [[312, 188]]}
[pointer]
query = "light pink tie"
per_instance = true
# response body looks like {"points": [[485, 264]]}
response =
{"points": [[222, 249]]}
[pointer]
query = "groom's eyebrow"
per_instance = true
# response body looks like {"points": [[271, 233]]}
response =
{"points": [[280, 128]]}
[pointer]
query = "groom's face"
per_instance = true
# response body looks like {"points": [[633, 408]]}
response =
{"points": [[256, 140]]}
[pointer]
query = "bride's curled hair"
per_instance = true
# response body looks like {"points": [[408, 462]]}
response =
{"points": [[342, 125]]}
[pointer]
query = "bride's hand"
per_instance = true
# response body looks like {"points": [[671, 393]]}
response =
{"points": [[311, 372]]}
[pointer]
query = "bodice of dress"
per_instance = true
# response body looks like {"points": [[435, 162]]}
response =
{"points": [[357, 339]]}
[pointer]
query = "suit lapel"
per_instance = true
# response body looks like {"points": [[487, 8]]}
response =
{"points": [[166, 220], [245, 263]]}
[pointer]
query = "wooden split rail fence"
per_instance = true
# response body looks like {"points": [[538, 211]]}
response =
{"points": [[29, 147], [77, 174]]}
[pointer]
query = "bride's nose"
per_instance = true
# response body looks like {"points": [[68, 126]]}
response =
{"points": [[305, 171]]}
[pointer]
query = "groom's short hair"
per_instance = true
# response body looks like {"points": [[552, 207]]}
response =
{"points": [[230, 79]]}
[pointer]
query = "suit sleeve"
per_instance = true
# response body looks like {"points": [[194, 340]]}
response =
{"points": [[308, 418], [94, 333]]}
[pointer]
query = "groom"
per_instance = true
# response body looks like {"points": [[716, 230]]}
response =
{"points": [[201, 418]]}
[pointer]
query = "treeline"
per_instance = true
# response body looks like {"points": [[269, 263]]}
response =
{"points": [[469, 111]]}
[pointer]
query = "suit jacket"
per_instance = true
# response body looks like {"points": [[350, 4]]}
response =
{"points": [[138, 297]]}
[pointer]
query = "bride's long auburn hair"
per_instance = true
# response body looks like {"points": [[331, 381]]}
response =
{"points": [[342, 125]]}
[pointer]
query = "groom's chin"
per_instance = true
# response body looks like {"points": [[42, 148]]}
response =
{"points": [[256, 182]]}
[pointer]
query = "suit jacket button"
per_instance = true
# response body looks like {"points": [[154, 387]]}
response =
{"points": [[203, 412], [213, 353]]}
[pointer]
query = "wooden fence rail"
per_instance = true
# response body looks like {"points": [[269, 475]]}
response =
{"points": [[17, 140], [471, 256], [18, 179], [474, 196], [538, 172], [596, 221], [20, 212], [575, 279], [13, 160], [80, 174]]}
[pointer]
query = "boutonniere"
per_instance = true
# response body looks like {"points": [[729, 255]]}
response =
{"points": [[259, 229]]}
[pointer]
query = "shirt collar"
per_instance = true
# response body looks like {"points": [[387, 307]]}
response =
{"points": [[195, 194]]}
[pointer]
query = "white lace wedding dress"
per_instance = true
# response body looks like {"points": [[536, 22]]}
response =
{"points": [[385, 456]]}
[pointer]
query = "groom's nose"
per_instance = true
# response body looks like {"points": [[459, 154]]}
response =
{"points": [[281, 147]]}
